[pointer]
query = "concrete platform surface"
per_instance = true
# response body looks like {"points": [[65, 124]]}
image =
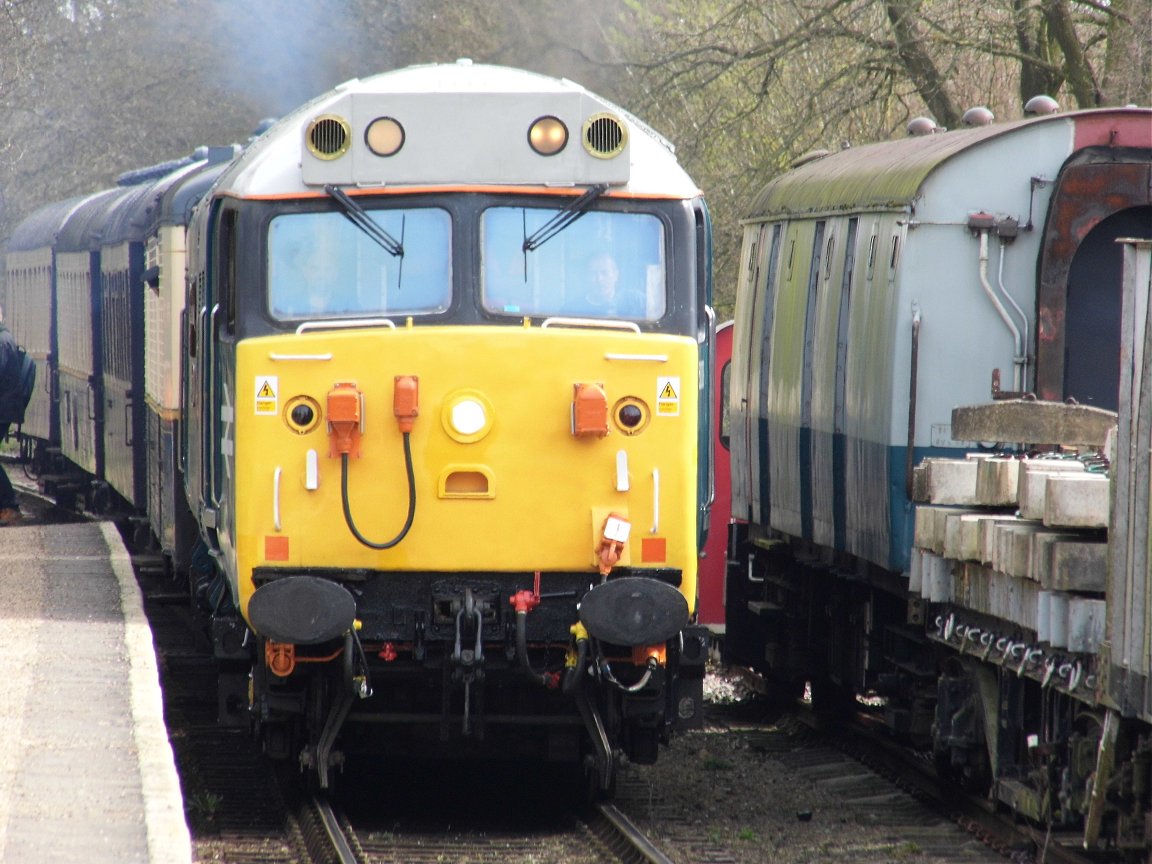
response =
{"points": [[86, 768]]}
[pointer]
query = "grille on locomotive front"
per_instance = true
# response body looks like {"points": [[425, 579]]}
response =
{"points": [[328, 137], [604, 136]]}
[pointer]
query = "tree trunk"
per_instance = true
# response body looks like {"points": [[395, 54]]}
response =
{"points": [[1037, 74], [1080, 76], [914, 56]]}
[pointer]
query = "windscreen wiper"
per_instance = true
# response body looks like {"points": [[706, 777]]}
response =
{"points": [[571, 211], [359, 217]]}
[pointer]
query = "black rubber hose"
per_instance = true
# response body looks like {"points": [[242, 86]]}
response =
{"points": [[574, 675], [522, 650], [411, 500]]}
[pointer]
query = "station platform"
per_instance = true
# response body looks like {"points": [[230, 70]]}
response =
{"points": [[86, 769]]}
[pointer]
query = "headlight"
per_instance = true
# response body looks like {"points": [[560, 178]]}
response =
{"points": [[384, 136], [548, 136], [467, 416]]}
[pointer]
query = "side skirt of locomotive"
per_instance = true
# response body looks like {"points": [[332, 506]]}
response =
{"points": [[458, 666]]}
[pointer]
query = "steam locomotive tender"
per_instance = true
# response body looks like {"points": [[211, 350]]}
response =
{"points": [[888, 546]]}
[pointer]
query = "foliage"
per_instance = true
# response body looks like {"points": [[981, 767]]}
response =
{"points": [[92, 88], [751, 85]]}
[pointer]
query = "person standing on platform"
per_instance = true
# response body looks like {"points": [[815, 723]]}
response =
{"points": [[9, 409]]}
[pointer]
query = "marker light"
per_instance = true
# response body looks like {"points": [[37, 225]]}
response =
{"points": [[302, 413], [468, 417], [631, 415], [384, 136], [548, 136]]}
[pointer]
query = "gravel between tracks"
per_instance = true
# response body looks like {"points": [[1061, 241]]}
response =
{"points": [[742, 792]]}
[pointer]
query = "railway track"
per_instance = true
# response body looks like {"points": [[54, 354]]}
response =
{"points": [[781, 787], [748, 790], [596, 835], [243, 809], [996, 830]]}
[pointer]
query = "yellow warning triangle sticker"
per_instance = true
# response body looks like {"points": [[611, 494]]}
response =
{"points": [[266, 392], [667, 392]]}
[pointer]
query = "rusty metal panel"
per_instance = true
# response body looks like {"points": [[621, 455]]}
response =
{"points": [[1093, 186]]}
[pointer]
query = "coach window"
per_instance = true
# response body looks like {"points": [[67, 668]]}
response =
{"points": [[322, 265], [606, 264]]}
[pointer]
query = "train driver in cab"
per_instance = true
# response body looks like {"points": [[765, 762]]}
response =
{"points": [[604, 296]]}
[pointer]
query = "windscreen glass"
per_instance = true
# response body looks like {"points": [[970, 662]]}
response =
{"points": [[602, 265], [323, 265]]}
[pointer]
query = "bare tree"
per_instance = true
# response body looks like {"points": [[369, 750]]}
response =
{"points": [[92, 88], [755, 84]]}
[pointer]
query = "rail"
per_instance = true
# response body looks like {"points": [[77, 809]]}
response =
{"points": [[622, 837], [334, 832]]}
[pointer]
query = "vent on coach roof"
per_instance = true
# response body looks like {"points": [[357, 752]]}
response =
{"points": [[604, 136], [328, 137]]}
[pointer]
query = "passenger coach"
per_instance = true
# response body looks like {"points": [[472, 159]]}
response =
{"points": [[923, 327]]}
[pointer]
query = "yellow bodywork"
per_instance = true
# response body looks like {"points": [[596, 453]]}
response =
{"points": [[521, 494]]}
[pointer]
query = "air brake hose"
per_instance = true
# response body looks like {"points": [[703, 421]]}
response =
{"points": [[522, 649], [411, 500], [574, 675]]}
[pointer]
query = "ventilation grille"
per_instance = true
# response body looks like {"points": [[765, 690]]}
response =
{"points": [[604, 136], [328, 137]]}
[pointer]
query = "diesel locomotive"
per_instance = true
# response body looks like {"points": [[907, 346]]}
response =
{"points": [[936, 343], [413, 387]]}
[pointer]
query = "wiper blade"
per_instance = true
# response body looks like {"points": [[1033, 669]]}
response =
{"points": [[359, 217], [572, 211]]}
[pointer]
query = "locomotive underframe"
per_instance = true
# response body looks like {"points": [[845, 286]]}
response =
{"points": [[1024, 726], [434, 668]]}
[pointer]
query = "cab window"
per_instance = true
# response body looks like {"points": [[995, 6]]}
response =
{"points": [[321, 265], [603, 265]]}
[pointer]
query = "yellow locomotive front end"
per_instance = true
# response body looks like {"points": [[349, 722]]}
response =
{"points": [[523, 441], [443, 428], [459, 483]]}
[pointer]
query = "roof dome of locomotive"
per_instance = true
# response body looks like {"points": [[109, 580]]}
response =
{"points": [[328, 139]]}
